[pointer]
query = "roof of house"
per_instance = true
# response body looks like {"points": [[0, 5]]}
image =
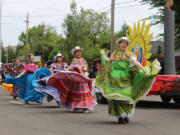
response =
{"points": [[156, 44], [11, 46]]}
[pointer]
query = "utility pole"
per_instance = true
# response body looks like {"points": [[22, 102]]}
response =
{"points": [[27, 30], [169, 42], [43, 30], [112, 25], [0, 31]]}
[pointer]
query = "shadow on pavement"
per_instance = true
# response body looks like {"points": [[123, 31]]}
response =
{"points": [[140, 104], [157, 105], [41, 106]]}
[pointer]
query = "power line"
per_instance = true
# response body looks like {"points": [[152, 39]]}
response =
{"points": [[47, 15], [18, 2], [125, 2], [121, 3], [54, 3], [13, 16], [33, 16], [109, 10]]}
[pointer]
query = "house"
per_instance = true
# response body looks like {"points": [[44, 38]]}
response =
{"points": [[11, 46], [155, 46], [154, 49], [37, 59]]}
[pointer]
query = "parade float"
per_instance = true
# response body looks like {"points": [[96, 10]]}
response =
{"points": [[167, 86]]}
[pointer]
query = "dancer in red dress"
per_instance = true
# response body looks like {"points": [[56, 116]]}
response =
{"points": [[74, 88]]}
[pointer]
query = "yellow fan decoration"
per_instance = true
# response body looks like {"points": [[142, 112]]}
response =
{"points": [[8, 87], [139, 37]]}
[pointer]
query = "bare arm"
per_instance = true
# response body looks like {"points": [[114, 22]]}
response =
{"points": [[138, 64], [67, 67], [110, 59], [51, 70], [81, 72], [22, 73]]}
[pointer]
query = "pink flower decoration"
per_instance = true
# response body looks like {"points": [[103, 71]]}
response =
{"points": [[124, 57]]}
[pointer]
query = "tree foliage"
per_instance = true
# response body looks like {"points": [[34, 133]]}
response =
{"points": [[52, 41], [159, 17], [8, 54], [87, 29]]}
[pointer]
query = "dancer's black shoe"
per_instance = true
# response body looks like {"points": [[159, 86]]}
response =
{"points": [[49, 98], [121, 120], [39, 102], [126, 119], [27, 103], [15, 97], [59, 104]]}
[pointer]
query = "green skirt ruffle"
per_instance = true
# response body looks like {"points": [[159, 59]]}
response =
{"points": [[124, 89]]}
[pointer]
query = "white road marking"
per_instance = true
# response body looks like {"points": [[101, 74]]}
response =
{"points": [[15, 102]]}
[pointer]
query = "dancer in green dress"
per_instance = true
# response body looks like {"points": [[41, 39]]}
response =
{"points": [[123, 80]]}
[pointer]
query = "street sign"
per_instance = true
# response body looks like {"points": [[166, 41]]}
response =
{"points": [[37, 59], [40, 64]]}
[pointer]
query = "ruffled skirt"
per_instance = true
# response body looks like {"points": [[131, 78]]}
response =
{"points": [[27, 85], [74, 90]]}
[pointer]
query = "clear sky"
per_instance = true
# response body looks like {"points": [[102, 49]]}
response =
{"points": [[53, 12]]}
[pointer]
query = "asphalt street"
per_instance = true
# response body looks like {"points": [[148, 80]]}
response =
{"points": [[151, 117]]}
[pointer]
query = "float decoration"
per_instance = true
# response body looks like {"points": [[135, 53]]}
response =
{"points": [[139, 37]]}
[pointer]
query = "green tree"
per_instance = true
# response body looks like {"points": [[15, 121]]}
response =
{"points": [[3, 55], [87, 29], [52, 41], [11, 54], [159, 51], [159, 17], [157, 55], [8, 54], [122, 32]]}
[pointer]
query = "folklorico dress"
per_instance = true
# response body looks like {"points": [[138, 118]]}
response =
{"points": [[57, 68], [27, 83], [122, 83], [74, 88], [76, 64], [13, 70], [81, 91], [51, 91]]}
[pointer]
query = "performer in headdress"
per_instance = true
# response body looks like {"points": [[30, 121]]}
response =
{"points": [[123, 80]]}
